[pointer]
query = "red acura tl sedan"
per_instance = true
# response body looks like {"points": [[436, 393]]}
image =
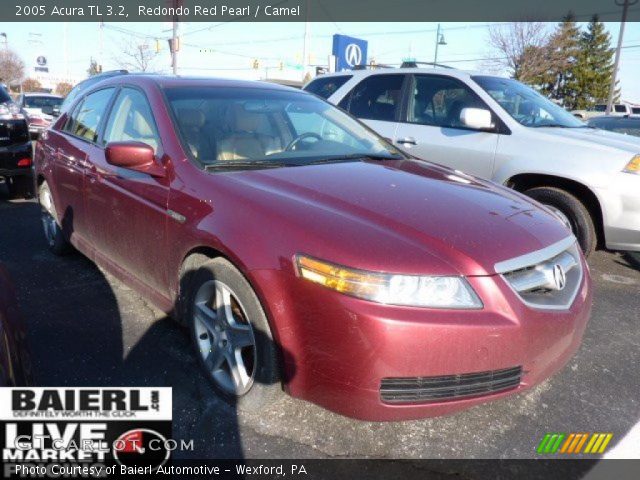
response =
{"points": [[306, 253]]}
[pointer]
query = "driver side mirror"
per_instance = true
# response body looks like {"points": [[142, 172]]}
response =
{"points": [[476, 118], [136, 156]]}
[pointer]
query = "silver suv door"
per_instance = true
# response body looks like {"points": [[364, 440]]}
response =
{"points": [[430, 127]]}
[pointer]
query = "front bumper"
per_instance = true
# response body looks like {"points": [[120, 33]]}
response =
{"points": [[11, 155], [621, 212], [339, 349]]}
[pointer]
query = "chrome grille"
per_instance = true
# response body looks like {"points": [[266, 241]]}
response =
{"points": [[549, 278], [448, 387]]}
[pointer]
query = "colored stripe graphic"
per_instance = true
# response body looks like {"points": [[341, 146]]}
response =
{"points": [[573, 443]]}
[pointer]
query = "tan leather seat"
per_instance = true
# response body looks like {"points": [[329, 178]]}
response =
{"points": [[199, 141], [244, 141]]}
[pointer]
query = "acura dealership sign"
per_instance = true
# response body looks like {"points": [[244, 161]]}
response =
{"points": [[350, 52]]}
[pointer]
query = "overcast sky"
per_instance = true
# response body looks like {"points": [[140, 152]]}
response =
{"points": [[228, 49]]}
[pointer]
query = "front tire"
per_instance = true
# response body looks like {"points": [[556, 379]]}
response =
{"points": [[231, 335], [56, 241], [573, 211]]}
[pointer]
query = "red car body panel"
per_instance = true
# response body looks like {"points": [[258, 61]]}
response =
{"points": [[400, 216]]}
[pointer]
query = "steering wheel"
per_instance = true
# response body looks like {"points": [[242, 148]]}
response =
{"points": [[300, 138]]}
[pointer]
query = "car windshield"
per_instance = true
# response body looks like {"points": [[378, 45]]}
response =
{"points": [[258, 127], [525, 105], [39, 102]]}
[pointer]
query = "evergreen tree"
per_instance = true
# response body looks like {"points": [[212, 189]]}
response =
{"points": [[559, 82], [594, 69]]}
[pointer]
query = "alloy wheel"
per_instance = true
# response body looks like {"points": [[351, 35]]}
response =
{"points": [[224, 337]]}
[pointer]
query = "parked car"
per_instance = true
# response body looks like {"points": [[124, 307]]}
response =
{"points": [[502, 130], [625, 125], [39, 110], [15, 363], [617, 110], [15, 148], [301, 248]]}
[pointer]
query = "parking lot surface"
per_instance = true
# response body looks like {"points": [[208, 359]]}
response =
{"points": [[88, 329]]}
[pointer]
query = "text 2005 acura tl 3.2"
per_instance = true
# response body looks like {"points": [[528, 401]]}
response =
{"points": [[305, 252]]}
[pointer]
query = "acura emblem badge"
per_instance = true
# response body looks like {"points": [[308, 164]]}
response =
{"points": [[559, 277]]}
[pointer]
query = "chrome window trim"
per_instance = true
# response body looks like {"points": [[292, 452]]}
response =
{"points": [[533, 258]]}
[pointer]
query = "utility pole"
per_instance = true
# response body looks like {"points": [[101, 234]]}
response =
{"points": [[174, 45], [305, 44], [614, 75], [101, 47]]}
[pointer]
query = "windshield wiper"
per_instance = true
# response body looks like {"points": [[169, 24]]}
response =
{"points": [[356, 156], [237, 165]]}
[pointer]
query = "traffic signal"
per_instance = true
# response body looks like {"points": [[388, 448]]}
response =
{"points": [[281, 66], [256, 64]]}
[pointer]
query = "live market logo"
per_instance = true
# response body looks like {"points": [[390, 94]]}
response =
{"points": [[101, 427]]}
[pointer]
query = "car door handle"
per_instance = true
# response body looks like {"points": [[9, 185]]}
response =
{"points": [[407, 141]]}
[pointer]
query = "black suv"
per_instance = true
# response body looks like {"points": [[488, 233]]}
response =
{"points": [[15, 148]]}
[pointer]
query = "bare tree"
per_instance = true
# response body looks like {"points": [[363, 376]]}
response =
{"points": [[31, 85], [521, 48], [63, 88], [11, 67], [138, 56]]}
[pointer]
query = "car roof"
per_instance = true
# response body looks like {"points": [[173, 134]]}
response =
{"points": [[37, 94], [170, 81], [451, 72]]}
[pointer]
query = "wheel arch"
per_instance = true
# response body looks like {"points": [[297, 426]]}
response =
{"points": [[525, 181]]}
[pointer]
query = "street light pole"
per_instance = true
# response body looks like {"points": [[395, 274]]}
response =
{"points": [[440, 41], [614, 75]]}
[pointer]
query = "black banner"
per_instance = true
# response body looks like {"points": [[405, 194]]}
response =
{"points": [[310, 10]]}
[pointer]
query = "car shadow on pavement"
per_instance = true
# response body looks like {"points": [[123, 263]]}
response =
{"points": [[86, 328]]}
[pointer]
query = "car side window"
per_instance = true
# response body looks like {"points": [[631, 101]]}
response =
{"points": [[438, 101], [131, 119], [326, 86], [377, 97], [86, 117]]}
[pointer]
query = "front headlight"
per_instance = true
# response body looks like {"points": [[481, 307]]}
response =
{"points": [[633, 166], [407, 290]]}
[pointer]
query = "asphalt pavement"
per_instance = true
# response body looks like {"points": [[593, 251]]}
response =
{"points": [[88, 329]]}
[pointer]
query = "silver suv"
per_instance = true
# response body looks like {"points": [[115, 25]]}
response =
{"points": [[502, 130]]}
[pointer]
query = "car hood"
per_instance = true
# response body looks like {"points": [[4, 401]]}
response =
{"points": [[38, 111], [406, 213], [594, 138]]}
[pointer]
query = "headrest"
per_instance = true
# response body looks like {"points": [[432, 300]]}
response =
{"points": [[244, 121], [191, 117]]}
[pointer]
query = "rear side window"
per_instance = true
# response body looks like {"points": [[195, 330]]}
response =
{"points": [[326, 86], [621, 108], [131, 120], [375, 98], [86, 117]]}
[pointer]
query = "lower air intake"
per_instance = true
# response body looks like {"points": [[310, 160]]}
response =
{"points": [[448, 387]]}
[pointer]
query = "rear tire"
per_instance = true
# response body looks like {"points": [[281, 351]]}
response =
{"points": [[232, 338], [575, 212], [56, 241]]}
